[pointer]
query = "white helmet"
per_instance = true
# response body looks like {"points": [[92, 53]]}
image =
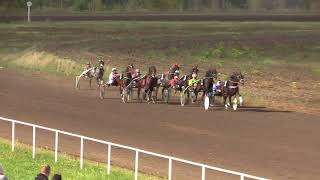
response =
{"points": [[194, 75], [114, 69], [137, 70]]}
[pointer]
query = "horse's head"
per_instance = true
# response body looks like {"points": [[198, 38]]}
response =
{"points": [[237, 77], [130, 69], [101, 63], [241, 78], [212, 73], [162, 77], [195, 70], [152, 71], [173, 68]]}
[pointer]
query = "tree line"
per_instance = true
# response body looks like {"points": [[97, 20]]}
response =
{"points": [[163, 5]]}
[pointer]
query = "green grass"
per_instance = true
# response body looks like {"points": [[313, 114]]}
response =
{"points": [[19, 165]]}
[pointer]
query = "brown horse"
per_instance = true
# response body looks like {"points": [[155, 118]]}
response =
{"points": [[123, 81], [205, 85], [230, 89], [149, 83]]}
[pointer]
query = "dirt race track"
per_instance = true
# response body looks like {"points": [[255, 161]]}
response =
{"points": [[255, 140]]}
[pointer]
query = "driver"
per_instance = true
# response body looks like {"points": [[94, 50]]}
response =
{"points": [[87, 67], [194, 81], [216, 86], [136, 76], [175, 79], [113, 75]]}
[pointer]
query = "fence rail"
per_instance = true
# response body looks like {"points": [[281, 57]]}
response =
{"points": [[170, 159]]}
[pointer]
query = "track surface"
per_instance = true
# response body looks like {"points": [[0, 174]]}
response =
{"points": [[258, 141], [155, 17]]}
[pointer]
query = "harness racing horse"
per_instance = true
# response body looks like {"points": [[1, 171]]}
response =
{"points": [[149, 83], [123, 81], [206, 84], [186, 90], [230, 89], [164, 82], [96, 72]]}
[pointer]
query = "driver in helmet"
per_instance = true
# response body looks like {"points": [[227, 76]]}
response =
{"points": [[87, 67], [113, 75], [194, 81], [176, 79], [216, 87], [136, 74]]}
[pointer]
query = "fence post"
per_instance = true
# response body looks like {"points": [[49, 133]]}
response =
{"points": [[33, 142], [241, 177], [203, 177], [109, 158], [56, 148], [136, 166], [81, 153], [12, 136], [170, 169]]}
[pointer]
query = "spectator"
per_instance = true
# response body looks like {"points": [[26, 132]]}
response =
{"points": [[2, 176], [44, 173], [57, 177]]}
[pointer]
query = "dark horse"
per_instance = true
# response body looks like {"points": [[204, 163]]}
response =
{"points": [[206, 84], [230, 89], [184, 84], [149, 83], [99, 72], [126, 79]]}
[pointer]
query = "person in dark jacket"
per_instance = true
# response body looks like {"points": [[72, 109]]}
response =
{"points": [[57, 177], [44, 173]]}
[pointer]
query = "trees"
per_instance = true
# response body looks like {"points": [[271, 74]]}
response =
{"points": [[163, 5]]}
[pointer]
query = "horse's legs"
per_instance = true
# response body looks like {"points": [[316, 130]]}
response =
{"points": [[153, 96], [120, 89], [196, 97], [156, 92], [240, 100], [138, 92], [90, 82], [97, 80], [162, 92], [202, 97], [188, 96], [225, 102], [147, 93], [230, 100]]}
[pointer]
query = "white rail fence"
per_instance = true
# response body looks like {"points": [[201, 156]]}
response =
{"points": [[109, 145]]}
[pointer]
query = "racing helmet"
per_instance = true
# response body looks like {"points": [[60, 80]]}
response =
{"points": [[114, 69], [194, 75], [137, 70]]}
